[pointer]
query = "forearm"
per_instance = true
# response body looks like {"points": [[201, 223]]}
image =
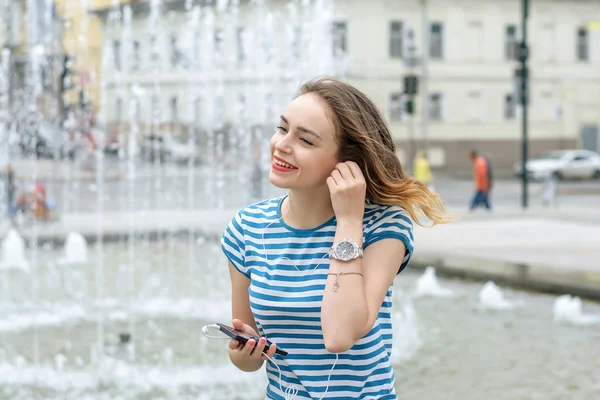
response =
{"points": [[344, 314], [242, 362]]}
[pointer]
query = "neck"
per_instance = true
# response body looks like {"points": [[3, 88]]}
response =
{"points": [[307, 209]]}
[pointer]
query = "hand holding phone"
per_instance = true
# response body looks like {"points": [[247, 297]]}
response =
{"points": [[246, 340]]}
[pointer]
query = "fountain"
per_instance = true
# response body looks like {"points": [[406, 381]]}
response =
{"points": [[491, 297], [568, 309], [76, 251], [406, 340], [125, 320], [12, 255], [428, 285]]}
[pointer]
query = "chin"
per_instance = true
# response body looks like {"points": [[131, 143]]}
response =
{"points": [[277, 181]]}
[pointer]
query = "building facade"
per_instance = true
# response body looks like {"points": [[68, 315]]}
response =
{"points": [[29, 54], [465, 53]]}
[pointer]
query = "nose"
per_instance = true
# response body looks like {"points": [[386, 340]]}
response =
{"points": [[283, 144]]}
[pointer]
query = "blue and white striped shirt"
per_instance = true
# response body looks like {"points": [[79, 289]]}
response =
{"points": [[287, 268]]}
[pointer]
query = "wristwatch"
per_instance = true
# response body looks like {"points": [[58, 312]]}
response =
{"points": [[345, 250]]}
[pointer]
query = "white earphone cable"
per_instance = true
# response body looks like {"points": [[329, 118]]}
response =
{"points": [[291, 391]]}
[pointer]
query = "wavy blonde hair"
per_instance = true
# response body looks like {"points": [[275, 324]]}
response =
{"points": [[364, 137]]}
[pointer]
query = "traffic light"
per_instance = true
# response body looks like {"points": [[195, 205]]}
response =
{"points": [[411, 83], [66, 81]]}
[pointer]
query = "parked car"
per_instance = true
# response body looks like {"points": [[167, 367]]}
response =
{"points": [[166, 147], [109, 144], [563, 164], [50, 141]]}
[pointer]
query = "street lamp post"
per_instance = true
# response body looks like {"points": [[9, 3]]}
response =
{"points": [[524, 94]]}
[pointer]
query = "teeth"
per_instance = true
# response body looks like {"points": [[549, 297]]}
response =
{"points": [[283, 164]]}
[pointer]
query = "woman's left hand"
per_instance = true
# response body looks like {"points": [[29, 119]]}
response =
{"points": [[347, 188]]}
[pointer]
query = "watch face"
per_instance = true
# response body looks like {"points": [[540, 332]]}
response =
{"points": [[345, 250]]}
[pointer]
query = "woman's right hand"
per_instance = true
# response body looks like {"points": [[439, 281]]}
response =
{"points": [[249, 351]]}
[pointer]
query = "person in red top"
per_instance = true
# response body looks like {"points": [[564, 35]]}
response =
{"points": [[482, 181]]}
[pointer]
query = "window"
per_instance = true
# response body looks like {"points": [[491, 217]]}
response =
{"points": [[581, 157], [174, 109], [473, 41], [582, 45], [196, 49], [154, 109], [241, 50], [510, 42], [218, 45], [175, 55], [135, 110], [396, 106], [13, 23], [296, 42], [269, 106], [475, 108], [339, 39], [154, 54], [547, 42], [117, 54], [219, 110], [436, 41], [435, 107], [510, 106], [241, 104], [396, 39], [135, 59], [118, 109], [197, 111]]}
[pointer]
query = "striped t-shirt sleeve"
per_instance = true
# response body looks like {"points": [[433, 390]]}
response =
{"points": [[392, 223], [233, 244]]}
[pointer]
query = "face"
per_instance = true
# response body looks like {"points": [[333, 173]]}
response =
{"points": [[303, 149]]}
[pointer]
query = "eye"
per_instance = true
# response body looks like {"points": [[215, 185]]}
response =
{"points": [[281, 128], [306, 142]]}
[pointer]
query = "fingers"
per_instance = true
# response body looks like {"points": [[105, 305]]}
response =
{"points": [[237, 324], [254, 349], [355, 169], [343, 170], [348, 170], [234, 344], [337, 176], [271, 352]]}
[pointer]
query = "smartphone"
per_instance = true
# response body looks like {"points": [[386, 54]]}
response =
{"points": [[243, 337]]}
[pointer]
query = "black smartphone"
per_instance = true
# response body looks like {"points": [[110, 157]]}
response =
{"points": [[243, 337]]}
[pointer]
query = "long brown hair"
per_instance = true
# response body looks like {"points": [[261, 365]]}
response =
{"points": [[364, 137]]}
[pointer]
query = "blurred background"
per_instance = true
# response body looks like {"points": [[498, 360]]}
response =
{"points": [[132, 131]]}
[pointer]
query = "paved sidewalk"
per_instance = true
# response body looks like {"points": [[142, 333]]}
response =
{"points": [[540, 249], [554, 250]]}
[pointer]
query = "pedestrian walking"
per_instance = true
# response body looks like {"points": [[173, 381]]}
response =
{"points": [[481, 178], [549, 189], [422, 170]]}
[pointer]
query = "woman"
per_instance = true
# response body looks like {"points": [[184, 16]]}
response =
{"points": [[299, 274]]}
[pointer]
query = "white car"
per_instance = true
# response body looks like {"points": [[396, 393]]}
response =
{"points": [[168, 148], [563, 164]]}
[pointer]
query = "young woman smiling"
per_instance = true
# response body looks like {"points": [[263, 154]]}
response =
{"points": [[312, 271]]}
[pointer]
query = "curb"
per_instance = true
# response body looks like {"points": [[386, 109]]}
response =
{"points": [[57, 239], [539, 278], [81, 178], [529, 276]]}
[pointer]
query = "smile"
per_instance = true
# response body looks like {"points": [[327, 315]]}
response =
{"points": [[281, 165]]}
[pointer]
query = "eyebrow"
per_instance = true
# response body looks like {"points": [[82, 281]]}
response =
{"points": [[302, 129]]}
